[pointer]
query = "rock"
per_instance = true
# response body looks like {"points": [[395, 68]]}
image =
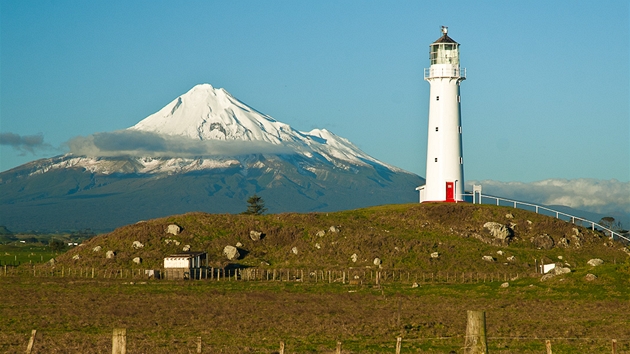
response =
{"points": [[509, 216], [137, 245], [173, 229], [488, 258], [511, 259], [321, 233], [96, 249], [560, 257], [590, 277], [75, 257], [52, 261], [529, 222], [377, 261], [231, 252], [547, 277], [318, 246], [576, 231], [499, 231], [238, 244], [333, 229], [505, 285], [543, 241], [186, 248], [110, 254], [500, 253], [415, 285], [435, 255], [294, 250], [354, 257], [255, 235], [564, 243], [595, 262], [560, 270], [137, 260]]}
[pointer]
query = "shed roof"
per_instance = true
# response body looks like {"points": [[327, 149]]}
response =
{"points": [[186, 254]]}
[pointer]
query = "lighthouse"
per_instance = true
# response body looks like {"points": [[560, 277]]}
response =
{"points": [[445, 159]]}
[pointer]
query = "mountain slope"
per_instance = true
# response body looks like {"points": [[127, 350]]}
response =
{"points": [[204, 151]]}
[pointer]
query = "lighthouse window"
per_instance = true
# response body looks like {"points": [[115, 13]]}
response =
{"points": [[437, 98], [460, 129], [436, 128], [436, 159], [459, 98], [461, 160]]}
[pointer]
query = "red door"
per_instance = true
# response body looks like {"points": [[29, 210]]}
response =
{"points": [[450, 191]]}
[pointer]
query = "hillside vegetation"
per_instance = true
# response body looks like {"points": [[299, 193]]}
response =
{"points": [[402, 236]]}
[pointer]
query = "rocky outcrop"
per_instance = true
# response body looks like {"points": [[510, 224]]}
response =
{"points": [[435, 255], [110, 254], [333, 229], [543, 241], [137, 260], [137, 245], [595, 262], [488, 258], [499, 231]]}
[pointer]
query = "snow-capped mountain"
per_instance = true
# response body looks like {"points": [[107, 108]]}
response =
{"points": [[198, 129], [204, 151]]}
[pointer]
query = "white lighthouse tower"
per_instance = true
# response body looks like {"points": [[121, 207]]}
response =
{"points": [[445, 159]]}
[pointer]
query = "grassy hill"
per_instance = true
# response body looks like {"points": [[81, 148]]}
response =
{"points": [[402, 236]]}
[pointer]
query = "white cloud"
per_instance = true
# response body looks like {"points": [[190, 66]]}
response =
{"points": [[146, 144], [598, 196]]}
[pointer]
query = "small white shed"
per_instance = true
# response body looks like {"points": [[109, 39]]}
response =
{"points": [[184, 265]]}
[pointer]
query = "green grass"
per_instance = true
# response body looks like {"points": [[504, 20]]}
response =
{"points": [[18, 253]]}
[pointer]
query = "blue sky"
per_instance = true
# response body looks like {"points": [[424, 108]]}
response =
{"points": [[546, 96]]}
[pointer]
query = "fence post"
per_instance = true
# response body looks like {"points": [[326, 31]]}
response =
{"points": [[614, 346], [548, 346], [198, 344], [281, 351], [31, 342], [119, 341], [338, 351], [398, 345], [476, 342]]}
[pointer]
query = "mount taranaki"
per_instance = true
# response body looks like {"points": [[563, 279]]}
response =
{"points": [[205, 151]]}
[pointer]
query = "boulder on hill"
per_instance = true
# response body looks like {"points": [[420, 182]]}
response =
{"points": [[173, 229], [499, 231], [595, 262], [255, 235], [231, 252], [543, 241]]}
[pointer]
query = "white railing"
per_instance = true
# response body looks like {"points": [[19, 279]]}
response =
{"points": [[444, 72], [539, 209]]}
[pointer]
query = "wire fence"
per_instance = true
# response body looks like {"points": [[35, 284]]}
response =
{"points": [[343, 276]]}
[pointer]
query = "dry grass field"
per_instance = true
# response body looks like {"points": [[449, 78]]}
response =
{"points": [[76, 314]]}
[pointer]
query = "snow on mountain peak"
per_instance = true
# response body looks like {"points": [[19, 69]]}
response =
{"points": [[206, 113]]}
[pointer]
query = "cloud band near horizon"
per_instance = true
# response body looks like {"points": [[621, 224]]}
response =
{"points": [[147, 144]]}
